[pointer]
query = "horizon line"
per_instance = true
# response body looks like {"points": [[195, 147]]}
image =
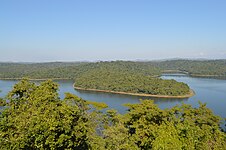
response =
{"points": [[109, 60]]}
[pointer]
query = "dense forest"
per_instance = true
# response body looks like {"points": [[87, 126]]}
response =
{"points": [[119, 76], [194, 67], [34, 117], [70, 70], [118, 80], [40, 70], [75, 69]]}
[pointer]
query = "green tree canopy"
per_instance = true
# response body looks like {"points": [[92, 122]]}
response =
{"points": [[34, 117]]}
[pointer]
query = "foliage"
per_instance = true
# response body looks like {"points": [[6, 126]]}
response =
{"points": [[75, 69], [69, 70], [2, 102], [39, 70], [181, 127], [121, 81], [195, 67], [36, 118]]}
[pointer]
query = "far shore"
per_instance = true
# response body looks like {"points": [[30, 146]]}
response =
{"points": [[163, 72], [192, 75], [201, 75], [192, 93], [175, 71]]}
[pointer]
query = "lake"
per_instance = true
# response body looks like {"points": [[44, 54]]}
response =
{"points": [[210, 91]]}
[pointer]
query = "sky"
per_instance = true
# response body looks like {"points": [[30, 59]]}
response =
{"points": [[92, 30]]}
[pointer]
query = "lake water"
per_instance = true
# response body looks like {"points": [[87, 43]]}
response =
{"points": [[210, 91]]}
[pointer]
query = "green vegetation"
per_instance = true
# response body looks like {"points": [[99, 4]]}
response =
{"points": [[39, 70], [122, 81], [69, 70], [37, 119], [195, 67], [129, 77], [119, 76], [75, 69], [34, 117]]}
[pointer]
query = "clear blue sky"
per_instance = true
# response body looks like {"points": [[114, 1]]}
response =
{"points": [[74, 30]]}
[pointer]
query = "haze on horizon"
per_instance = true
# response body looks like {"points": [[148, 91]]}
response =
{"points": [[57, 30]]}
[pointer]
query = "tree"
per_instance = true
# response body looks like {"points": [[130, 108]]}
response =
{"points": [[36, 118], [181, 127]]}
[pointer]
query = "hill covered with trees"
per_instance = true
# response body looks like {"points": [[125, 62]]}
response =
{"points": [[64, 70], [119, 76], [203, 68], [39, 70], [119, 80], [34, 117], [70, 70]]}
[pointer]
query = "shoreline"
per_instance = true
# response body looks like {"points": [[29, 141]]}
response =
{"points": [[192, 93], [175, 71], [192, 75], [155, 76], [200, 75]]}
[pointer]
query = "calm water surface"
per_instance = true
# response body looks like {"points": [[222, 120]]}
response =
{"points": [[210, 91]]}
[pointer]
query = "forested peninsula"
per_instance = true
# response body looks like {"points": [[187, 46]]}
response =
{"points": [[123, 82], [196, 68]]}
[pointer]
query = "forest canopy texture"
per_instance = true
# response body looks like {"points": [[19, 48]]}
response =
{"points": [[120, 76], [34, 117], [72, 70], [116, 80]]}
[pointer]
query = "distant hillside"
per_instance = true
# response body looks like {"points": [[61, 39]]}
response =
{"points": [[70, 70], [195, 67], [38, 70], [73, 70]]}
